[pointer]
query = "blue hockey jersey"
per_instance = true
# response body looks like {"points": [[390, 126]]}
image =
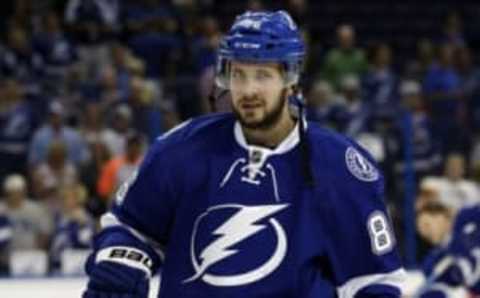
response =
{"points": [[235, 220], [462, 253]]}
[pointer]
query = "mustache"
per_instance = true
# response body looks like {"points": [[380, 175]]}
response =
{"points": [[250, 99]]}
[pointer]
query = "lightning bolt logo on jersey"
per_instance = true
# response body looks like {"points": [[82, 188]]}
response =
{"points": [[246, 222]]}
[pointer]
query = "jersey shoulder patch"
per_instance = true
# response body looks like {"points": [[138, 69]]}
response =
{"points": [[344, 156], [359, 166]]}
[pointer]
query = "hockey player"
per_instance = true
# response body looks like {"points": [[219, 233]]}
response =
{"points": [[456, 261], [257, 203]]}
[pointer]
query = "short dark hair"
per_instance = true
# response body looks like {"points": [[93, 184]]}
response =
{"points": [[433, 208]]}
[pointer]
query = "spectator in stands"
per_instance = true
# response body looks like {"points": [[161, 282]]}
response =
{"points": [[20, 60], [92, 126], [30, 222], [300, 12], [115, 137], [255, 5], [27, 13], [120, 61], [56, 130], [204, 51], [153, 37], [470, 85], [89, 175], [17, 125], [351, 115], [56, 49], [442, 90], [6, 234], [346, 59], [205, 47], [93, 23], [453, 263], [56, 172], [109, 88], [425, 149], [452, 190], [379, 84], [116, 171], [434, 223], [320, 101], [418, 67], [142, 100], [475, 159], [141, 16], [74, 228], [453, 30]]}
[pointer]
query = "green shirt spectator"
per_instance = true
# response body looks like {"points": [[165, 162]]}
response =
{"points": [[344, 60]]}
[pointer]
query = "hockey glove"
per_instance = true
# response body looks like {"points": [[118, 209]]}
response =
{"points": [[120, 267]]}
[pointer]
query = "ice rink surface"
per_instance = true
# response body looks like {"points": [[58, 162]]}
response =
{"points": [[73, 287], [51, 287]]}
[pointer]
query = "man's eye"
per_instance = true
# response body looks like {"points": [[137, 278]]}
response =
{"points": [[263, 75]]}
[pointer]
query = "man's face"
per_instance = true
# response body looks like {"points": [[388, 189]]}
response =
{"points": [[14, 197], [455, 167], [258, 94], [433, 227], [346, 37]]}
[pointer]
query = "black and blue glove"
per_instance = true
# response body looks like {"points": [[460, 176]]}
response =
{"points": [[120, 266]]}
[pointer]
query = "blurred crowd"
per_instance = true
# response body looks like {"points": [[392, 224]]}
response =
{"points": [[87, 85]]}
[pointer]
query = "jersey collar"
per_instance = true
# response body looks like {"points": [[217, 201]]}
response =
{"points": [[286, 145]]}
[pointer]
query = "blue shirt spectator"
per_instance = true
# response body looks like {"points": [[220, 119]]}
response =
{"points": [[19, 59], [56, 49], [442, 88], [74, 228], [204, 49], [351, 116], [441, 85], [141, 16], [158, 50], [55, 129], [321, 102], [425, 148], [153, 37], [17, 125], [93, 21], [470, 85], [380, 83]]}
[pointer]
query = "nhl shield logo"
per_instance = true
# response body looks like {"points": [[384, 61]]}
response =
{"points": [[359, 166]]}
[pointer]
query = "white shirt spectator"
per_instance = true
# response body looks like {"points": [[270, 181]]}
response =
{"points": [[454, 194], [29, 222]]}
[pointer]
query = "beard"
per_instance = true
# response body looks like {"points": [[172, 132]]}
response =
{"points": [[270, 117]]}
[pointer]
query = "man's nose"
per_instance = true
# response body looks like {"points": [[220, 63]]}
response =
{"points": [[250, 88]]}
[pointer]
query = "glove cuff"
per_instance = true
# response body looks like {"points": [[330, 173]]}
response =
{"points": [[128, 256]]}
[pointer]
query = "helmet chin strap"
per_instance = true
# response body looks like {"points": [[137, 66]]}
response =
{"points": [[215, 95], [297, 108]]}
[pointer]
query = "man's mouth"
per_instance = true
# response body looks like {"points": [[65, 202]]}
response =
{"points": [[251, 105]]}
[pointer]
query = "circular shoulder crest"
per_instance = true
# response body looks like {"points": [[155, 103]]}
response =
{"points": [[359, 166]]}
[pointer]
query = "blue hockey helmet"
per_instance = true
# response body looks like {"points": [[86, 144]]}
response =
{"points": [[262, 37]]}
